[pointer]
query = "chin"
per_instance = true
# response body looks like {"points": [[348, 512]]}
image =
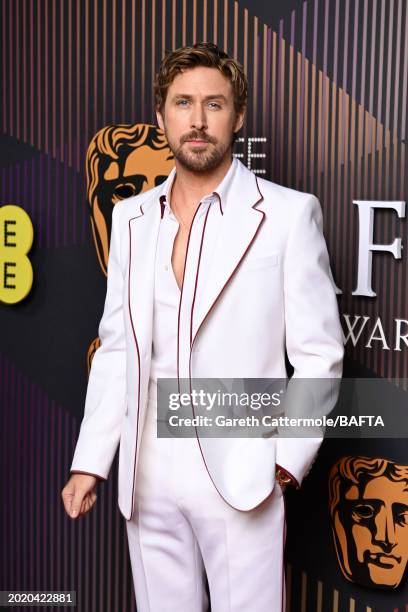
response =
{"points": [[199, 165], [384, 578]]}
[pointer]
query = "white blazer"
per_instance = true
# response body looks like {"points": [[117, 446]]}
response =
{"points": [[270, 287]]}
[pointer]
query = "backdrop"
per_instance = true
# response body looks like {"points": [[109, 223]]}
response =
{"points": [[327, 114]]}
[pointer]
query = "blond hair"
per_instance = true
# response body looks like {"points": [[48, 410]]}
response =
{"points": [[201, 54], [355, 470]]}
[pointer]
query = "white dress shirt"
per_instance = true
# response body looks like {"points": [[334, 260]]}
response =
{"points": [[173, 307]]}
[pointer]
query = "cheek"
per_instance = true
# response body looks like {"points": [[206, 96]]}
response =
{"points": [[401, 537], [174, 122], [174, 130], [362, 540], [220, 123]]}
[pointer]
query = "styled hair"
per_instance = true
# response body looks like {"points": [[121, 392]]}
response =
{"points": [[350, 470], [200, 54]]}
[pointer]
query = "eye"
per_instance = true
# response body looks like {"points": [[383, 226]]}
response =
{"points": [[402, 518], [400, 512], [125, 191], [363, 511], [215, 104], [180, 102]]}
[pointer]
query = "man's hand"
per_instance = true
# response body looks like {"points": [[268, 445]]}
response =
{"points": [[79, 494]]}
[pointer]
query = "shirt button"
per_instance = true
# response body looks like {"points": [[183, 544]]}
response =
{"points": [[166, 268]]}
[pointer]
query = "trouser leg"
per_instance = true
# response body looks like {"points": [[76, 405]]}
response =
{"points": [[243, 554], [181, 524], [167, 566]]}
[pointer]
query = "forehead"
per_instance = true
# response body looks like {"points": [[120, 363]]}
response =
{"points": [[383, 488], [200, 81]]}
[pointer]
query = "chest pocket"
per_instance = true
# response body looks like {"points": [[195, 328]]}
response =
{"points": [[257, 263]]}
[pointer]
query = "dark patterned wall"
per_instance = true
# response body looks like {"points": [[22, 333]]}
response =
{"points": [[328, 93]]}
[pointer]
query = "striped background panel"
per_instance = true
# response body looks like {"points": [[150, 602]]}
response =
{"points": [[328, 91]]}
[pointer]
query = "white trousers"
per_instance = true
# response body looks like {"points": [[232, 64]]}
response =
{"points": [[183, 531]]}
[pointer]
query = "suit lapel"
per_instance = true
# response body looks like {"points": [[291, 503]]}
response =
{"points": [[143, 234], [240, 224]]}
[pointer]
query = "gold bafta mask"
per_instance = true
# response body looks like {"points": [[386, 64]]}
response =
{"points": [[122, 161], [368, 500]]}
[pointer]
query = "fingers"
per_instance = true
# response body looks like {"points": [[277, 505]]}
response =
{"points": [[79, 496], [87, 503], [79, 508], [67, 495], [77, 502]]}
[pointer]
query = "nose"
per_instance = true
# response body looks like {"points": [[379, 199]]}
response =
{"points": [[385, 534], [198, 119]]}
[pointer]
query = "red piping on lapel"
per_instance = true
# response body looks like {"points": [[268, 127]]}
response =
{"points": [[198, 269], [162, 205], [234, 270], [283, 551], [138, 354], [191, 347], [219, 201]]}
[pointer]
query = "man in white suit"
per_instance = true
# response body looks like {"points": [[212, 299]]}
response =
{"points": [[211, 274]]}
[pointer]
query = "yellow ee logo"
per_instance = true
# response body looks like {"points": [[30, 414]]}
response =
{"points": [[16, 238]]}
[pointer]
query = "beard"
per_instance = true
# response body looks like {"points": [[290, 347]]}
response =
{"points": [[201, 158]]}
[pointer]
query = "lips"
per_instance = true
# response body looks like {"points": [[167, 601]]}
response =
{"points": [[198, 138], [384, 560]]}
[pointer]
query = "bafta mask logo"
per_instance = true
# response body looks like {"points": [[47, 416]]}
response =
{"points": [[122, 161], [368, 501]]}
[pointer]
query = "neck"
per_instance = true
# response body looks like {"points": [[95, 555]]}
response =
{"points": [[190, 187]]}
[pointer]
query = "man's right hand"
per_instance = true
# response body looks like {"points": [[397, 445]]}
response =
{"points": [[79, 494]]}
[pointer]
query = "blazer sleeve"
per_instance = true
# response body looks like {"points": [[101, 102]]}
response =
{"points": [[314, 339], [105, 401]]}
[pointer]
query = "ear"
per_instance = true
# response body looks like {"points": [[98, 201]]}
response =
{"points": [[160, 121], [239, 120]]}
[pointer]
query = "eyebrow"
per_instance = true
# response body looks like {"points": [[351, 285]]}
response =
{"points": [[211, 97]]}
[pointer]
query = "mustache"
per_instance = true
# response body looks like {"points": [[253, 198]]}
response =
{"points": [[198, 136]]}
